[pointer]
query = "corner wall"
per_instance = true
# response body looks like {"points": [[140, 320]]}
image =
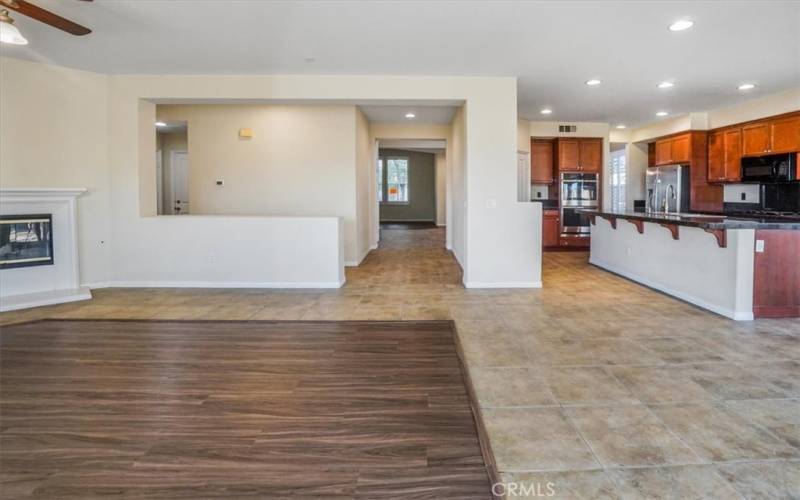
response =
{"points": [[54, 133]]}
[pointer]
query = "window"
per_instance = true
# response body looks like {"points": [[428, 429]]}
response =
{"points": [[618, 180], [393, 181]]}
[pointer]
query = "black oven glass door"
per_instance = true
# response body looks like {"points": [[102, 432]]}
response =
{"points": [[574, 222], [579, 189]]}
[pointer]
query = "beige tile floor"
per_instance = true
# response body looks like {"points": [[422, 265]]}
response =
{"points": [[603, 388]]}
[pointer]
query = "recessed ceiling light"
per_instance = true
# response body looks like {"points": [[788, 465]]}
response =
{"points": [[161, 124], [662, 113], [546, 111], [593, 82], [410, 115], [680, 25], [747, 86], [665, 85], [620, 126]]}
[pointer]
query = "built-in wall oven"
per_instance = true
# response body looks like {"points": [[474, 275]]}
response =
{"points": [[578, 190]]}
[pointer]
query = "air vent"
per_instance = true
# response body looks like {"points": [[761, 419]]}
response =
{"points": [[567, 128]]}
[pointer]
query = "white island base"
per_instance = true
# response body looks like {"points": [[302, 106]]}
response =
{"points": [[693, 268]]}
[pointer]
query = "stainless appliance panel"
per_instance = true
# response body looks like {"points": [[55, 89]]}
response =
{"points": [[668, 189]]}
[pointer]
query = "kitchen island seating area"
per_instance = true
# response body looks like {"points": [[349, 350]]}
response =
{"points": [[741, 268]]}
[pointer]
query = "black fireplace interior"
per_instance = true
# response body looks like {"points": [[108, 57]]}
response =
{"points": [[26, 240]]}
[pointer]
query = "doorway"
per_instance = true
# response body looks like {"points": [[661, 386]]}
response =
{"points": [[172, 168]]}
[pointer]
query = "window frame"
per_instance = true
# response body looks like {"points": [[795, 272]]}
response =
{"points": [[385, 179]]}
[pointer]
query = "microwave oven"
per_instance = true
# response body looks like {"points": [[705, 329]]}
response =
{"points": [[774, 168]]}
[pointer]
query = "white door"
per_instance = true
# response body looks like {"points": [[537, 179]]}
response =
{"points": [[159, 184], [180, 182]]}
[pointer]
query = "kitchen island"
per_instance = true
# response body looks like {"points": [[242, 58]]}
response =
{"points": [[741, 268]]}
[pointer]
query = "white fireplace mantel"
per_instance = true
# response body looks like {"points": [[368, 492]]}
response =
{"points": [[25, 287]]}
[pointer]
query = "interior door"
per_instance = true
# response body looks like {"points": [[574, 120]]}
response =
{"points": [[180, 182]]}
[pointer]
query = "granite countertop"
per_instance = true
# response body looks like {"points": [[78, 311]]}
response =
{"points": [[703, 221]]}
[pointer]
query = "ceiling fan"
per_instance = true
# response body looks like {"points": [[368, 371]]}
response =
{"points": [[10, 34]]}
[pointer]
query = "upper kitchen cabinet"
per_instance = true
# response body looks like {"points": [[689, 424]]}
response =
{"points": [[542, 161], [579, 155], [673, 150], [567, 154], [725, 155], [590, 155], [771, 136]]}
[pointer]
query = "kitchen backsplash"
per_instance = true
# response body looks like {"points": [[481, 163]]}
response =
{"points": [[539, 192], [742, 193]]}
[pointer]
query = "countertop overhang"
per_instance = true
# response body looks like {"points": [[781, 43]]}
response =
{"points": [[702, 221]]}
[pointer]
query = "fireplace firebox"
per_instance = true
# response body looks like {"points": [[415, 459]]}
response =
{"points": [[26, 240]]}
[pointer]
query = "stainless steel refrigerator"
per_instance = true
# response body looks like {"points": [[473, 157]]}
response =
{"points": [[667, 189]]}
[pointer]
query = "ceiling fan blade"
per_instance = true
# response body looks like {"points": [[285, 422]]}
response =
{"points": [[48, 17]]}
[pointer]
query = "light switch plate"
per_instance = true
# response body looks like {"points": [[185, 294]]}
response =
{"points": [[760, 246]]}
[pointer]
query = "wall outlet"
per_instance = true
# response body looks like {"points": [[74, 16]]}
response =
{"points": [[212, 257], [760, 246], [491, 203], [744, 196]]}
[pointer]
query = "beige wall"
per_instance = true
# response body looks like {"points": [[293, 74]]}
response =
{"points": [[53, 133], [441, 189], [364, 172], [754, 109], [300, 161], [458, 185], [101, 131]]}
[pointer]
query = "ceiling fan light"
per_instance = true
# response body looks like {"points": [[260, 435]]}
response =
{"points": [[8, 32]]}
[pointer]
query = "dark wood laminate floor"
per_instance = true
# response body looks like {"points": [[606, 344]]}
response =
{"points": [[147, 409]]}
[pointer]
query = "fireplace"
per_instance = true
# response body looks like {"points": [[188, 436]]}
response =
{"points": [[26, 240]]}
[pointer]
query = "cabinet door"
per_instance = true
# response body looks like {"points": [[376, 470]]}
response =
{"points": [[680, 149], [756, 139], [716, 156], [590, 155], [733, 155], [785, 135], [664, 152], [550, 230], [568, 154], [541, 162]]}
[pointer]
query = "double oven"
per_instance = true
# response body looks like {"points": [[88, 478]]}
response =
{"points": [[578, 190]]}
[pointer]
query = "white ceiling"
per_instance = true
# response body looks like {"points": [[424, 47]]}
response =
{"points": [[552, 47], [397, 114]]}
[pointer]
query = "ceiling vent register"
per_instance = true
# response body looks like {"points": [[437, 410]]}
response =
{"points": [[568, 128]]}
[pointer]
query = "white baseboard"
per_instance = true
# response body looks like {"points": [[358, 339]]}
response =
{"points": [[225, 284], [441, 225], [511, 284], [28, 300], [722, 311]]}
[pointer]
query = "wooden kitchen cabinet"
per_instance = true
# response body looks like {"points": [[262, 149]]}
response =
{"points": [[674, 150], [680, 149], [551, 228], [785, 135], [725, 155], [567, 154], [590, 155], [664, 152], [771, 136], [579, 155], [755, 139], [542, 161]]}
